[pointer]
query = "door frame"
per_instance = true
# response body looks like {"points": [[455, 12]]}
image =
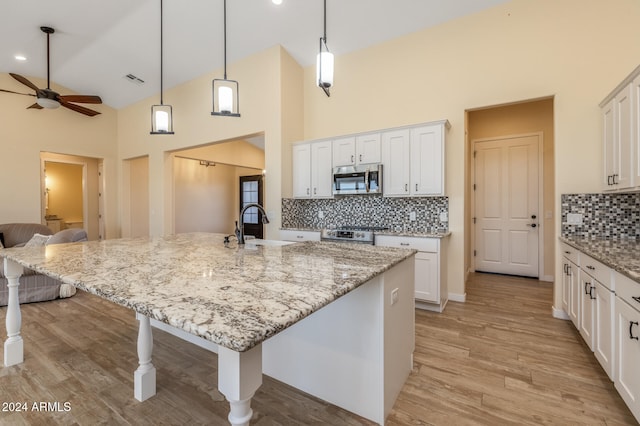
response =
{"points": [[472, 178]]}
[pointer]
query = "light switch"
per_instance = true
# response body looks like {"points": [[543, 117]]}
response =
{"points": [[412, 216]]}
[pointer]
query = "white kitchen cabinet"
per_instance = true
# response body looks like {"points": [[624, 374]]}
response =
{"points": [[355, 150], [587, 308], [297, 236], [430, 268], [312, 170], [627, 313], [413, 160], [604, 329]]}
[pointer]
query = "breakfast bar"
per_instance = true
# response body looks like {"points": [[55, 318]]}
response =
{"points": [[296, 312]]}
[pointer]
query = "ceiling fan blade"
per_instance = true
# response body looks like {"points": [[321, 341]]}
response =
{"points": [[83, 99], [34, 106], [24, 81], [78, 108], [17, 93]]}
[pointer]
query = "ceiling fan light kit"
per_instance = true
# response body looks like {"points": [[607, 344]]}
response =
{"points": [[161, 115], [226, 101], [50, 99]]}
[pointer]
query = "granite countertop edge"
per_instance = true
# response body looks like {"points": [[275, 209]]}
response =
{"points": [[390, 233], [615, 254]]}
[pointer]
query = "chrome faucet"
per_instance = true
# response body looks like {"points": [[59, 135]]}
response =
{"points": [[265, 220]]}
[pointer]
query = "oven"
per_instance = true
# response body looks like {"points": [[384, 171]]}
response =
{"points": [[351, 234]]}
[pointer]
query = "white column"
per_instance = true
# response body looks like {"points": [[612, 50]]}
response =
{"points": [[239, 376], [144, 378], [13, 346]]}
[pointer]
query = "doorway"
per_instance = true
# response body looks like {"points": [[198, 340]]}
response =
{"points": [[251, 190], [507, 204]]}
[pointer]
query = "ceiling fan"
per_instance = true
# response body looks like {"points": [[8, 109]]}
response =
{"points": [[47, 98]]}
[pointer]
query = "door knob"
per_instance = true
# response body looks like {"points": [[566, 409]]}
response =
{"points": [[533, 225], [533, 216]]}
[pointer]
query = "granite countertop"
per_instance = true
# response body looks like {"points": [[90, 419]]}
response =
{"points": [[234, 297], [622, 255], [435, 234]]}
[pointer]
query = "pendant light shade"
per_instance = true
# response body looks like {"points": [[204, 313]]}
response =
{"points": [[161, 115], [324, 62], [225, 92]]}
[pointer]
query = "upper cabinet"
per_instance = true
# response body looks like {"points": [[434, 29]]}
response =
{"points": [[413, 160], [312, 170], [355, 150], [621, 151]]}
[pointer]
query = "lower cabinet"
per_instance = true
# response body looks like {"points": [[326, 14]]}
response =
{"points": [[587, 308], [297, 236], [627, 347], [430, 270], [604, 328]]}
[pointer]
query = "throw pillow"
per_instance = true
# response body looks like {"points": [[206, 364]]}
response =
{"points": [[37, 240]]}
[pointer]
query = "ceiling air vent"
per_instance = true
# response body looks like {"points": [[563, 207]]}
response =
{"points": [[132, 78]]}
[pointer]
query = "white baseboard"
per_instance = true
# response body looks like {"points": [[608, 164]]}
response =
{"points": [[455, 297], [547, 278], [559, 313]]}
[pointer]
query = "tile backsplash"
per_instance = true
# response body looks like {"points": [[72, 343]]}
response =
{"points": [[603, 215], [369, 210]]}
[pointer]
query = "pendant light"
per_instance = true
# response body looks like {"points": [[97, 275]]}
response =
{"points": [[225, 92], [161, 115], [324, 63]]}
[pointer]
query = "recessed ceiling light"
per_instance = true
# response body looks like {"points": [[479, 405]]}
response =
{"points": [[276, 1], [20, 58]]}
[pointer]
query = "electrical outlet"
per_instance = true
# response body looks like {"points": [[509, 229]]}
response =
{"points": [[394, 296], [412, 216], [320, 214], [574, 219], [444, 217]]}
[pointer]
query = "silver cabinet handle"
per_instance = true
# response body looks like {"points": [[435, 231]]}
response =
{"points": [[307, 191], [299, 236], [591, 267], [315, 191], [406, 187], [360, 157], [352, 158], [416, 186], [405, 244]]}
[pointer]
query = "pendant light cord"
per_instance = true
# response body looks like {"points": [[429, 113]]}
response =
{"points": [[325, 22], [161, 49], [48, 80], [225, 37]]}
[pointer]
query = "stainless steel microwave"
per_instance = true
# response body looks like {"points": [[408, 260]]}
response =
{"points": [[353, 180]]}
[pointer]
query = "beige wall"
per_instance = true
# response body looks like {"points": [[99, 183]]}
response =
{"points": [[25, 133], [64, 185], [260, 82], [135, 198], [508, 120], [574, 50]]}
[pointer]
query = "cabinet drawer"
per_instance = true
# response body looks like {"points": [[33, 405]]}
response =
{"points": [[597, 270], [628, 290], [292, 235], [431, 245], [570, 253]]}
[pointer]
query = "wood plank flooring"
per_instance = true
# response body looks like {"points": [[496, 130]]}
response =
{"points": [[500, 358]]}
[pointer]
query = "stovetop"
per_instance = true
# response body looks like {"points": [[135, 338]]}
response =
{"points": [[350, 233]]}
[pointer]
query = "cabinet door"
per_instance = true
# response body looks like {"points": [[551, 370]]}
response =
{"points": [[344, 152], [427, 160], [321, 171], [368, 149], [635, 122], [566, 285], [587, 308], [623, 138], [301, 175], [609, 146], [395, 160], [627, 355], [293, 235], [604, 331], [426, 277], [574, 297]]}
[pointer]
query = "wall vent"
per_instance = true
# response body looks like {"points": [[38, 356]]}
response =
{"points": [[132, 78]]}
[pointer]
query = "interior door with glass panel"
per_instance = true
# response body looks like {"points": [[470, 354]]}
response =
{"points": [[251, 192]]}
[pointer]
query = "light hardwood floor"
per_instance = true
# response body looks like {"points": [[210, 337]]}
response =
{"points": [[500, 358]]}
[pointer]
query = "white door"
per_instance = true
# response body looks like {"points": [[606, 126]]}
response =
{"points": [[506, 205]]}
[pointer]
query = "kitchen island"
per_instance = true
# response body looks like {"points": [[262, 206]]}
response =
{"points": [[334, 320]]}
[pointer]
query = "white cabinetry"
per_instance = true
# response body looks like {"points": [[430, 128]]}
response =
{"points": [[430, 268], [620, 119], [627, 313], [571, 283], [312, 170], [297, 236], [413, 160], [354, 150]]}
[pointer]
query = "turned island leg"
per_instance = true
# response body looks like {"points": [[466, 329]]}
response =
{"points": [[239, 377], [144, 378], [13, 346]]}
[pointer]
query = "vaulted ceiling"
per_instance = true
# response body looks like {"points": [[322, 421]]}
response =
{"points": [[98, 42]]}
